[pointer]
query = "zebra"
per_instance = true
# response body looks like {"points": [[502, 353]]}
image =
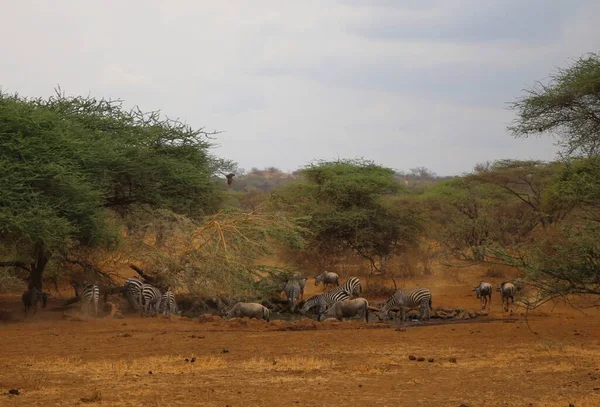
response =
{"points": [[417, 297], [31, 298], [325, 301], [150, 296], [168, 304], [352, 286], [507, 292], [131, 291], [90, 296], [327, 278], [292, 292], [484, 293]]}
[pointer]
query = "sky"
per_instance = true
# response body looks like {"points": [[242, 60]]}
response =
{"points": [[404, 83]]}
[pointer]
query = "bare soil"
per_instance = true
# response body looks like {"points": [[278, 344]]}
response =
{"points": [[552, 359]]}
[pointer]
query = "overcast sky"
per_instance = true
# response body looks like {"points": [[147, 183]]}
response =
{"points": [[405, 83]]}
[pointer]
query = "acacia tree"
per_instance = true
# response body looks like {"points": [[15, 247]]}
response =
{"points": [[342, 204], [568, 261], [70, 163], [568, 106], [529, 182]]}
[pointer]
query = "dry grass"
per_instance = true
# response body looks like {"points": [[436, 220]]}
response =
{"points": [[287, 364]]}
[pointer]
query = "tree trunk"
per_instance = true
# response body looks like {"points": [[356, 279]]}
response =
{"points": [[37, 268]]}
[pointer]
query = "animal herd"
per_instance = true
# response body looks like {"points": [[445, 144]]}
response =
{"points": [[507, 292], [343, 301]]}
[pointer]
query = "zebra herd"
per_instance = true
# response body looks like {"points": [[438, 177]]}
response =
{"points": [[343, 301], [148, 300]]}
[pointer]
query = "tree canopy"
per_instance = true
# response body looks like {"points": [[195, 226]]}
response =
{"points": [[568, 106], [342, 204], [66, 160]]}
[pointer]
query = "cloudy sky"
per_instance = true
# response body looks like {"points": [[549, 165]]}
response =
{"points": [[405, 83]]}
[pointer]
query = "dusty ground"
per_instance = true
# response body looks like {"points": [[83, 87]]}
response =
{"points": [[134, 361]]}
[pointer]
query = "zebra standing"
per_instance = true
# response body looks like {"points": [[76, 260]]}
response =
{"points": [[327, 278], [352, 286], [292, 292], [484, 293], [325, 301], [417, 297], [507, 292], [131, 291], [168, 303], [89, 297], [150, 297]]}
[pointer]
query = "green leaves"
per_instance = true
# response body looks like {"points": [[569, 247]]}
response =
{"points": [[567, 106], [344, 205], [65, 160]]}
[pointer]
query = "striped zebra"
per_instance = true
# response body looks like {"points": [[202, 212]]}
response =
{"points": [[325, 301], [484, 293], [150, 298], [292, 292], [131, 291], [352, 287], [417, 297], [327, 278], [507, 292], [168, 304], [89, 297]]}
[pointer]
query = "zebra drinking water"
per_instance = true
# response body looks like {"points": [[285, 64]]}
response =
{"points": [[150, 298], [327, 278], [417, 297], [325, 301], [89, 297], [507, 292], [484, 293]]}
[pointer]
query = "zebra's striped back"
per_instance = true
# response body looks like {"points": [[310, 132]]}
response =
{"points": [[168, 304], [131, 291], [352, 286], [150, 298], [418, 297], [89, 297], [326, 300]]}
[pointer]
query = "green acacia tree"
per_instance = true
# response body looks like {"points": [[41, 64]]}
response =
{"points": [[566, 261], [345, 206], [69, 164], [567, 106]]}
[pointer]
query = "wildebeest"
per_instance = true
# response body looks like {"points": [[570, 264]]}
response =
{"points": [[327, 277], [31, 298], [347, 309], [484, 292], [507, 292], [250, 310]]}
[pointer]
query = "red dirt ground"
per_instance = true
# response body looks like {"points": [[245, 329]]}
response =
{"points": [[107, 362]]}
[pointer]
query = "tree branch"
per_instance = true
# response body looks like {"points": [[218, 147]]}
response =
{"points": [[18, 264]]}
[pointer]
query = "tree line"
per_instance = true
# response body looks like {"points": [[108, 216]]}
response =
{"points": [[84, 175]]}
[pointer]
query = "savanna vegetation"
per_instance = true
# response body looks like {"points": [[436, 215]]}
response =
{"points": [[88, 187]]}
